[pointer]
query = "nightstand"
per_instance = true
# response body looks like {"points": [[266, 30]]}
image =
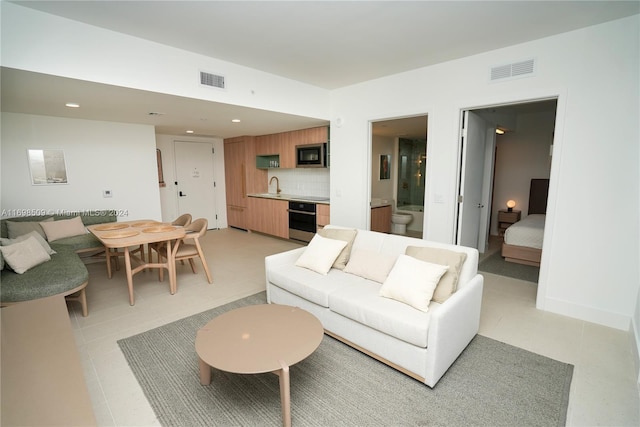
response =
{"points": [[506, 218]]}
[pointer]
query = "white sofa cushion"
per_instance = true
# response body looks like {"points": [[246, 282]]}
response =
{"points": [[310, 285], [360, 302], [412, 281]]}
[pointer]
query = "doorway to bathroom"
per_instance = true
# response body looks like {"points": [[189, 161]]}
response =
{"points": [[398, 174]]}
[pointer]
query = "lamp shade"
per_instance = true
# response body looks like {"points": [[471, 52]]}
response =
{"points": [[511, 204]]}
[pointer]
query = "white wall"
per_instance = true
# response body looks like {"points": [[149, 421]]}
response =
{"points": [[594, 73], [168, 195], [520, 156], [99, 155]]}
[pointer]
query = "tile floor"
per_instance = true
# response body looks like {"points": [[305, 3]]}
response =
{"points": [[603, 391]]}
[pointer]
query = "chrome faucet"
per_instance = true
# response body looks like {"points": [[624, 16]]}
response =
{"points": [[277, 183]]}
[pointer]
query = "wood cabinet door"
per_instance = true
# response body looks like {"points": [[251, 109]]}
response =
{"points": [[235, 173], [323, 215], [381, 219], [269, 216], [237, 217]]}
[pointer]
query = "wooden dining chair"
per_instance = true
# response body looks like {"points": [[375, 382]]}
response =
{"points": [[189, 247], [182, 221]]}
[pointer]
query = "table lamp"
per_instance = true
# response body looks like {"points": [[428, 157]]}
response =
{"points": [[510, 205]]}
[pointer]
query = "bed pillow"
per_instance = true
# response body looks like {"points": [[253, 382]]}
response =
{"points": [[56, 230], [35, 235], [412, 282], [348, 235], [24, 255], [454, 260], [320, 254], [20, 228], [370, 265]]}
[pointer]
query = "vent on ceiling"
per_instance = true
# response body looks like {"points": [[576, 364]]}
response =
{"points": [[513, 71], [212, 80]]}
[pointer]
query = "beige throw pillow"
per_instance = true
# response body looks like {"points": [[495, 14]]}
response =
{"points": [[320, 254], [412, 282], [56, 230], [20, 228], [370, 265], [24, 255], [454, 260], [35, 235], [348, 235]]}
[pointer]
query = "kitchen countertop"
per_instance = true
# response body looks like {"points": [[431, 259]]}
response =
{"points": [[292, 197]]}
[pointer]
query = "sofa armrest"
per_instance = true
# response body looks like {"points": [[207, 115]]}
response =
{"points": [[279, 259], [452, 327]]}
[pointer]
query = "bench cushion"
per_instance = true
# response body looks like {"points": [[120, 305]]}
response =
{"points": [[64, 272]]}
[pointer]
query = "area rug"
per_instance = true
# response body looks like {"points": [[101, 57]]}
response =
{"points": [[497, 265], [491, 384]]}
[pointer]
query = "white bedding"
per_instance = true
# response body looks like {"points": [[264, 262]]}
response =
{"points": [[528, 232]]}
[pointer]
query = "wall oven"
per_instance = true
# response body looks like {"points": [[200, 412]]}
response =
{"points": [[302, 221]]}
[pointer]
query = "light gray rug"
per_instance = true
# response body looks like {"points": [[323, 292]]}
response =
{"points": [[497, 265], [491, 384]]}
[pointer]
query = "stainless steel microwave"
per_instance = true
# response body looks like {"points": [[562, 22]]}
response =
{"points": [[311, 156]]}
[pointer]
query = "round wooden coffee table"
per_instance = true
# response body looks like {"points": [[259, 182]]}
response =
{"points": [[258, 339]]}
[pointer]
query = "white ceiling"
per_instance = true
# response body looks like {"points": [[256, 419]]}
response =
{"points": [[329, 44]]}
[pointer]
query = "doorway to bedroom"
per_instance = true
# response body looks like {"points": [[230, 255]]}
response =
{"points": [[503, 148]]}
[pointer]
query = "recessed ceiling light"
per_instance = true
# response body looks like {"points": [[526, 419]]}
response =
{"points": [[189, 131], [499, 131], [72, 105], [235, 120]]}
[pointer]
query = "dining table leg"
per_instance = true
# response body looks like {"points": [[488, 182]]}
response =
{"points": [[171, 267], [127, 263]]}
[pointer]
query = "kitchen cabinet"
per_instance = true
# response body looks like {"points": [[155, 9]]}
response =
{"points": [[381, 219], [269, 216], [241, 177], [282, 146], [323, 215]]}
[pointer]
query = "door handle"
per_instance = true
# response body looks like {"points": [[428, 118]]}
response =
{"points": [[181, 194]]}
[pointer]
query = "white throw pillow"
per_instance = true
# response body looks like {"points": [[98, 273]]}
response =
{"points": [[320, 254], [454, 260], [370, 265], [412, 281], [24, 255], [348, 235], [35, 235], [56, 230]]}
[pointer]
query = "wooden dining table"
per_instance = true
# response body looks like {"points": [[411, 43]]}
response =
{"points": [[127, 234]]}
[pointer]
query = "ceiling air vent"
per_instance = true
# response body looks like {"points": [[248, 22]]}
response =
{"points": [[513, 71], [212, 80]]}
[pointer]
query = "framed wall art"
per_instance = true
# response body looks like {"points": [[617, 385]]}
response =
{"points": [[47, 167], [385, 166]]}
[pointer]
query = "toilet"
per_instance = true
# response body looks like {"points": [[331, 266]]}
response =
{"points": [[399, 221]]}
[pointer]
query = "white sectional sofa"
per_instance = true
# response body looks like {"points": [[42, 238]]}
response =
{"points": [[347, 300]]}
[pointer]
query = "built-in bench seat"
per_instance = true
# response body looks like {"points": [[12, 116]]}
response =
{"points": [[64, 274]]}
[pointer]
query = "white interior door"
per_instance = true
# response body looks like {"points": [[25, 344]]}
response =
{"points": [[195, 180], [472, 203]]}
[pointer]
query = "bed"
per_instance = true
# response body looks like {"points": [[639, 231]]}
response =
{"points": [[523, 240]]}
